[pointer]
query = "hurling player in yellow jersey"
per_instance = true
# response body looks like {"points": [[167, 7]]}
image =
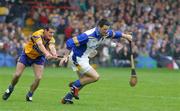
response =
{"points": [[40, 46]]}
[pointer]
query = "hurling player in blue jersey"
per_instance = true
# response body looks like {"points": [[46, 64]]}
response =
{"points": [[80, 48]]}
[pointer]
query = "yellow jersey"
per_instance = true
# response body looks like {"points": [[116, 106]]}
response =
{"points": [[31, 48]]}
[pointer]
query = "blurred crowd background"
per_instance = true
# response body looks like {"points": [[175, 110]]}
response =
{"points": [[155, 25]]}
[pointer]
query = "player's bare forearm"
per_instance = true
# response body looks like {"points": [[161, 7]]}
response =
{"points": [[65, 57], [127, 36], [42, 48], [53, 49], [67, 52]]}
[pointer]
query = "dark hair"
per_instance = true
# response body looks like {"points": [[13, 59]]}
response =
{"points": [[48, 26], [103, 22]]}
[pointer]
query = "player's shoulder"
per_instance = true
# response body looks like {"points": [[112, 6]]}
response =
{"points": [[110, 30], [52, 40], [38, 32], [110, 33], [90, 32]]}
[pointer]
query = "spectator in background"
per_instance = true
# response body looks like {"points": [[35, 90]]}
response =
{"points": [[43, 18], [18, 13], [104, 57], [55, 18], [68, 31], [176, 54], [4, 11], [60, 32]]}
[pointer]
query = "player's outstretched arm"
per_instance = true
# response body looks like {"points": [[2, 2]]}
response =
{"points": [[53, 50], [65, 57], [127, 36], [43, 49], [119, 35]]}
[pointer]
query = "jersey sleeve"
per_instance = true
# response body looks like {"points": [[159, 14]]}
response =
{"points": [[35, 39], [77, 41], [36, 36], [114, 34]]}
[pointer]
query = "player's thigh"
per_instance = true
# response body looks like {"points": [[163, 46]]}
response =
{"points": [[38, 70], [79, 64], [19, 68], [92, 73], [80, 74]]}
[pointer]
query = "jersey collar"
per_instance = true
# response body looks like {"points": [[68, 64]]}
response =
{"points": [[97, 32]]}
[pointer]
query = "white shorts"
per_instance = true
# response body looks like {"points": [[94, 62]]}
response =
{"points": [[83, 64]]}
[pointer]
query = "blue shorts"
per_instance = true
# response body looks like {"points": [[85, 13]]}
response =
{"points": [[28, 61]]}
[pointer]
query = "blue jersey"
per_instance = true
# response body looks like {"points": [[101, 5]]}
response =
{"points": [[87, 42]]}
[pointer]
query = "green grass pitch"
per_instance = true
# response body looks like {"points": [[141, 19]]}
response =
{"points": [[157, 90]]}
